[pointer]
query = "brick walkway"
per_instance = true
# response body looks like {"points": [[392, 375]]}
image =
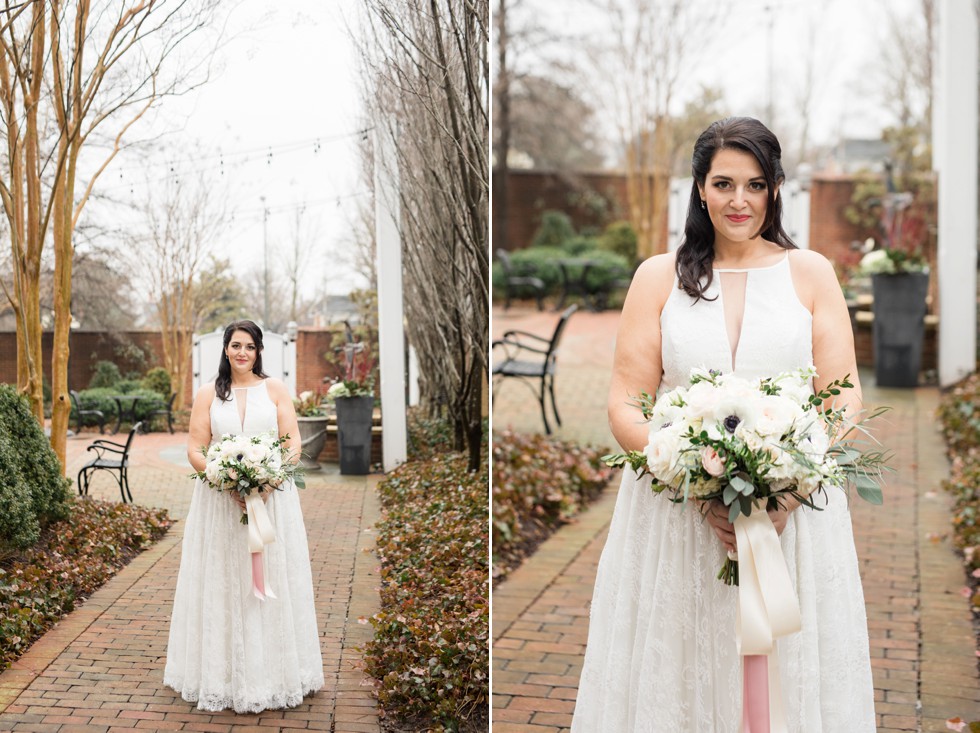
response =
{"points": [[101, 668], [922, 644]]}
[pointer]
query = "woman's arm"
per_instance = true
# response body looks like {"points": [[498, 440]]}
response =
{"points": [[199, 432], [638, 363], [286, 412], [833, 339]]}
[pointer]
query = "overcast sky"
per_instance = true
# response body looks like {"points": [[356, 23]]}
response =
{"points": [[761, 39], [279, 120]]}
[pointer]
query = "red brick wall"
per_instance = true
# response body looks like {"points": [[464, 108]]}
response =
{"points": [[312, 346], [90, 347], [831, 234], [86, 349], [530, 193]]}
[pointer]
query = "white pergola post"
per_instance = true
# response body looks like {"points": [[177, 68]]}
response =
{"points": [[954, 132], [391, 333]]}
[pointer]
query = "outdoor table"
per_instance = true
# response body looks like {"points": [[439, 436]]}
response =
{"points": [[128, 412], [576, 284]]}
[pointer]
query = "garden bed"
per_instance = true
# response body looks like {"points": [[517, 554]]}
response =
{"points": [[539, 484], [959, 414], [72, 558], [430, 651]]}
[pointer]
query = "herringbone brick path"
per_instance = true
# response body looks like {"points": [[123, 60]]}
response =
{"points": [[922, 644], [101, 668]]}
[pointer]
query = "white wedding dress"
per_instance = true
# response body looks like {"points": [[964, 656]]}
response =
{"points": [[227, 649], [661, 652]]}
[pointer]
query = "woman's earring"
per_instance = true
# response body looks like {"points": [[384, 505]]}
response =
{"points": [[703, 205]]}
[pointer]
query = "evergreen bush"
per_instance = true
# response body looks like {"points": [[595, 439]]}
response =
{"points": [[105, 374], [158, 380], [556, 229], [33, 491], [620, 237]]}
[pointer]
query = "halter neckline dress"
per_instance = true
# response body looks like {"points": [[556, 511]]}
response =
{"points": [[227, 649], [661, 652]]}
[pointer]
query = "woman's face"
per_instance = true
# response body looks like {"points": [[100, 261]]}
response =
{"points": [[735, 193], [241, 352]]}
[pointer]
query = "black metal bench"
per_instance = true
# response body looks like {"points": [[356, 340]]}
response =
{"points": [[515, 283], [118, 466], [167, 412], [99, 415], [541, 365]]}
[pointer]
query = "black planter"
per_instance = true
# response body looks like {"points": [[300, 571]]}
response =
{"points": [[899, 327], [354, 434]]}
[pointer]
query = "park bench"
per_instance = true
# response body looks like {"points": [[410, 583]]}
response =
{"points": [[530, 357], [99, 415], [103, 462]]}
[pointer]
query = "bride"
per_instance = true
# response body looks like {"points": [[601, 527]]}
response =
{"points": [[228, 649], [738, 297]]}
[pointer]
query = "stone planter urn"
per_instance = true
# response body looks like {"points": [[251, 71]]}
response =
{"points": [[899, 327], [313, 434], [354, 434]]}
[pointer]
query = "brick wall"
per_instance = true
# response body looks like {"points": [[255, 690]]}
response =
{"points": [[831, 234], [531, 193], [86, 348]]}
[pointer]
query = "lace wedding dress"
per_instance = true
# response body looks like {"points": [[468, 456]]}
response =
{"points": [[661, 652], [227, 649]]}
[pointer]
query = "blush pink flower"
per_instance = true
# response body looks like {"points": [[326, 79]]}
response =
{"points": [[712, 462]]}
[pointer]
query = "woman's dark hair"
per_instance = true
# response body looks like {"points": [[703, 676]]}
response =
{"points": [[696, 255], [222, 385]]}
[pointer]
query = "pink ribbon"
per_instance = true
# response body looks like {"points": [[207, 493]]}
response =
{"points": [[767, 609], [755, 693]]}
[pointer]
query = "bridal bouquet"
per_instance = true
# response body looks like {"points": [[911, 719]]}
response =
{"points": [[752, 441], [243, 464]]}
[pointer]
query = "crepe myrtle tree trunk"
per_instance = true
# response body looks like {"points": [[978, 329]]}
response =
{"points": [[93, 68]]}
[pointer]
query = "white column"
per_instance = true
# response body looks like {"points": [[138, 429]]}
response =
{"points": [[955, 159], [391, 333]]}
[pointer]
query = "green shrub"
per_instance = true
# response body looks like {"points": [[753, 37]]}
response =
{"points": [[543, 262], [555, 229], [610, 267], [158, 380], [127, 385], [33, 491], [74, 557], [580, 246], [538, 484], [105, 374], [101, 399], [959, 413], [620, 237], [431, 645]]}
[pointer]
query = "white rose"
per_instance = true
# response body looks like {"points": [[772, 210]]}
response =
{"points": [[777, 415], [701, 400], [662, 454]]}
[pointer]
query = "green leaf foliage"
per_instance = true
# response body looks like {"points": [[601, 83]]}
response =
{"points": [[430, 650], [959, 415], [539, 483], [73, 557], [33, 491]]}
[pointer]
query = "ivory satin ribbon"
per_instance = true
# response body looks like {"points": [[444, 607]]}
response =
{"points": [[260, 534], [767, 609]]}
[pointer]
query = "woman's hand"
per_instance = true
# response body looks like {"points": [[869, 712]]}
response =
{"points": [[779, 515], [235, 497], [716, 513]]}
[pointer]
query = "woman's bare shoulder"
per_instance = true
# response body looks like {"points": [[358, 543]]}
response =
{"points": [[812, 265], [205, 393], [277, 388], [657, 273]]}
